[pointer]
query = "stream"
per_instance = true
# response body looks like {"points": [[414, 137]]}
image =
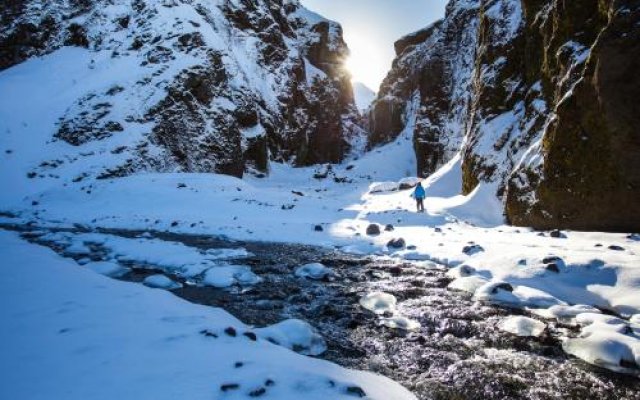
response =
{"points": [[458, 352]]}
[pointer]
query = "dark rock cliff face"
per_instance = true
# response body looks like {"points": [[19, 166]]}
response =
{"points": [[197, 86], [537, 96]]}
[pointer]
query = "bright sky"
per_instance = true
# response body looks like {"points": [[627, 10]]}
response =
{"points": [[371, 27]]}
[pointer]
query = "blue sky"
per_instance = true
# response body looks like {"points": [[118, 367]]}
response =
{"points": [[371, 27]]}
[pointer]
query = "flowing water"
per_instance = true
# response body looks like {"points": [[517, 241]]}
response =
{"points": [[458, 352]]}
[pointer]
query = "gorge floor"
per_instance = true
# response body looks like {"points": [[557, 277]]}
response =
{"points": [[457, 353]]}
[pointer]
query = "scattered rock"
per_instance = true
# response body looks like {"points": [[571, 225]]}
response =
{"points": [[398, 243], [231, 331], [355, 391], [616, 247], [318, 228], [208, 333], [551, 259], [174, 224], [553, 267], [472, 249], [557, 234], [229, 386], [395, 270], [181, 185], [373, 229], [238, 364], [502, 286], [297, 193], [389, 228], [258, 392], [252, 336], [269, 382]]}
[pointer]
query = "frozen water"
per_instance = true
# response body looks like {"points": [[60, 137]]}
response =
{"points": [[401, 322]]}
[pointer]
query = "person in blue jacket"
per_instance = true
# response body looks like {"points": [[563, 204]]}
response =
{"points": [[419, 194]]}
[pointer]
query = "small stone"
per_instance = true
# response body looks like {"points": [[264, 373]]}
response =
{"points": [[502, 286], [557, 234], [395, 270], [181, 185], [389, 228], [238, 365], [472, 249], [174, 223], [411, 247], [355, 391], [34, 203], [398, 243], [229, 386], [258, 392], [318, 228], [208, 333], [553, 267], [616, 247], [252, 336], [439, 230], [373, 229], [269, 383], [551, 259], [230, 331]]}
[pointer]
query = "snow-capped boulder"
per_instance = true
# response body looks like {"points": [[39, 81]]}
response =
{"points": [[296, 335], [110, 269], [224, 276], [379, 302], [523, 326], [315, 271], [161, 282]]}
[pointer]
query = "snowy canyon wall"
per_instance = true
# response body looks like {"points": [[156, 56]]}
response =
{"points": [[539, 96], [194, 85]]}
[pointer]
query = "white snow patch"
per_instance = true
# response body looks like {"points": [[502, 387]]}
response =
{"points": [[523, 326], [379, 302], [161, 282]]}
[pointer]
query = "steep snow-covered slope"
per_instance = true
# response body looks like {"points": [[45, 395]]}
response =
{"points": [[167, 85], [538, 96]]}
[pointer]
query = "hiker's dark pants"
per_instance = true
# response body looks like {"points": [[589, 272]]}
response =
{"points": [[420, 204]]}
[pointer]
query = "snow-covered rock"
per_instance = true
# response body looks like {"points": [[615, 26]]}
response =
{"points": [[379, 302], [223, 276], [383, 187], [161, 282], [296, 335], [106, 268], [523, 326], [315, 271], [401, 322]]}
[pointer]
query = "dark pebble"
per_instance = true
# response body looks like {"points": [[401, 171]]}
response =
{"points": [[252, 336], [229, 386], [355, 391], [258, 392], [230, 331]]}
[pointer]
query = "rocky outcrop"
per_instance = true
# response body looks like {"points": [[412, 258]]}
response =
{"points": [[538, 96], [223, 86]]}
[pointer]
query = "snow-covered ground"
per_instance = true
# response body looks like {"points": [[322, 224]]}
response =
{"points": [[509, 266], [69, 333]]}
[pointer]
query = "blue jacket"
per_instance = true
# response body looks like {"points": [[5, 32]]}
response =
{"points": [[419, 193]]}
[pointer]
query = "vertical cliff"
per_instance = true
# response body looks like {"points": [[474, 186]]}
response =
{"points": [[537, 95]]}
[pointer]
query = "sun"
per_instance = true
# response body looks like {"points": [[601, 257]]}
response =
{"points": [[365, 63]]}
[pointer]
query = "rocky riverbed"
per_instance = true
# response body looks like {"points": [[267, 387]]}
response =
{"points": [[457, 352]]}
